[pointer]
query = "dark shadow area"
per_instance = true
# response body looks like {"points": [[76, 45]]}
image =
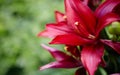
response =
{"points": [[15, 70]]}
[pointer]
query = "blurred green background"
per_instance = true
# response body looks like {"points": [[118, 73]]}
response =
{"points": [[20, 22]]}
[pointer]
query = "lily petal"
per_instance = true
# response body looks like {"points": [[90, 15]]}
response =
{"points": [[59, 16], [114, 45], [70, 39], [105, 21], [115, 74], [91, 57], [106, 7], [76, 11], [52, 30], [62, 60], [58, 55], [61, 64], [85, 2]]}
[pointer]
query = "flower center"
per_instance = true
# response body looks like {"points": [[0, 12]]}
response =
{"points": [[83, 31]]}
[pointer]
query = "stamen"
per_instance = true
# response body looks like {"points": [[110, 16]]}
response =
{"points": [[91, 36], [65, 17], [65, 48], [76, 23]]}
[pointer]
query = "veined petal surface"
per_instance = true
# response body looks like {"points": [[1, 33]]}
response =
{"points": [[52, 30], [70, 39], [91, 57], [105, 21], [112, 44], [106, 7], [76, 11]]}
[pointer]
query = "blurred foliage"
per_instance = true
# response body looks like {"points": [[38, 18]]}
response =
{"points": [[20, 22]]}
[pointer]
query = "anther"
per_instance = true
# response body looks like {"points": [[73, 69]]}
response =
{"points": [[76, 23], [64, 17], [65, 48], [91, 36]]}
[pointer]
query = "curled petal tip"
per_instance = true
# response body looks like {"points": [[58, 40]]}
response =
{"points": [[43, 34], [42, 45], [48, 48], [59, 16], [47, 66], [115, 74], [39, 34], [41, 69], [112, 44]]}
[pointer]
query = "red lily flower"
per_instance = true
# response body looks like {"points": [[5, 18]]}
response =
{"points": [[79, 26], [63, 60]]}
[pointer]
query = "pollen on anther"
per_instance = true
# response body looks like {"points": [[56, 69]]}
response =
{"points": [[65, 48], [91, 36], [76, 23], [64, 17]]}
